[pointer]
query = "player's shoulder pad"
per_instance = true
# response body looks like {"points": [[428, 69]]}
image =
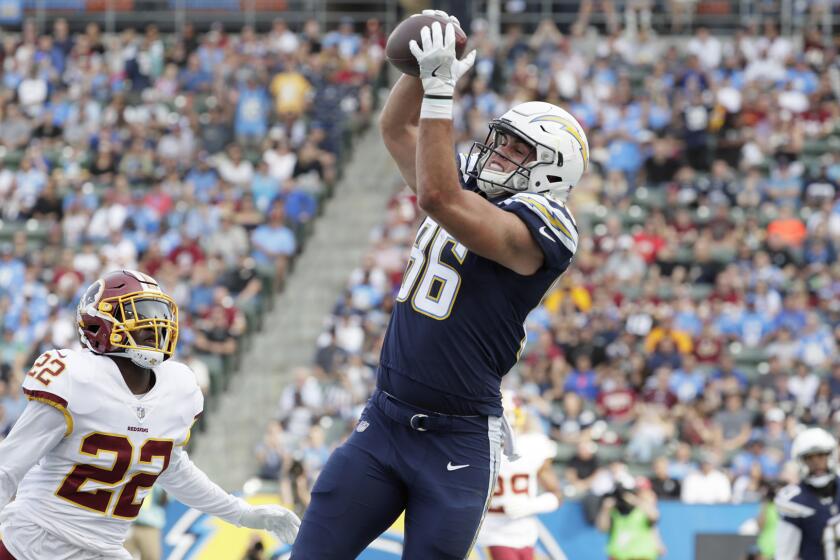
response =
{"points": [[466, 164], [557, 222], [183, 388], [57, 378], [789, 502]]}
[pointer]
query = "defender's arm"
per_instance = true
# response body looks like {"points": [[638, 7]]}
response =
{"points": [[38, 430], [190, 485]]}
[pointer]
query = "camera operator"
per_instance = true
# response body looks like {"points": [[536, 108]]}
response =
{"points": [[629, 515]]}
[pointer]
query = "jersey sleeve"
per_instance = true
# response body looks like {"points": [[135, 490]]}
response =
{"points": [[191, 486], [551, 225], [49, 382], [788, 540], [790, 508], [38, 430]]}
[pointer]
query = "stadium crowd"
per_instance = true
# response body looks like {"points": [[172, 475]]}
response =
{"points": [[199, 158], [696, 330], [693, 335]]}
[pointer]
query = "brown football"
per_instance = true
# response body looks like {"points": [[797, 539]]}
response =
{"points": [[397, 51]]}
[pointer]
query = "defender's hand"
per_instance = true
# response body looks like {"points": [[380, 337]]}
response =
{"points": [[281, 522], [439, 67]]}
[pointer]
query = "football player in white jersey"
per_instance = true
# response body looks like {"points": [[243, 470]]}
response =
{"points": [[510, 529], [104, 425]]}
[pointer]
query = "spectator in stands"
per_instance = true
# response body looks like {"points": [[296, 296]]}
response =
{"points": [[665, 487], [272, 452], [707, 485], [274, 243], [582, 467]]}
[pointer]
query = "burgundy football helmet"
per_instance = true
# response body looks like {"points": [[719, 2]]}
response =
{"points": [[126, 314]]}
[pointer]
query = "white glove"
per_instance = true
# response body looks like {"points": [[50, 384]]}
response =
{"points": [[281, 522], [439, 69], [440, 13], [518, 507]]}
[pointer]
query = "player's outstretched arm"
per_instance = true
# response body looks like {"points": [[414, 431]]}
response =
{"points": [[400, 117], [398, 126], [477, 224], [545, 502], [191, 486], [38, 430]]}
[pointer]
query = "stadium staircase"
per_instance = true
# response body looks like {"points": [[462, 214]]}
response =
{"points": [[336, 246]]}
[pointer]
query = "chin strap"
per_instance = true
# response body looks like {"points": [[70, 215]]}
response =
{"points": [[824, 485]]}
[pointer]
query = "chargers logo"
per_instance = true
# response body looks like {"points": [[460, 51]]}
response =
{"points": [[192, 535], [571, 129]]}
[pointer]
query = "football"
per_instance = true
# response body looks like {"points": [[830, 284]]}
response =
{"points": [[399, 54]]}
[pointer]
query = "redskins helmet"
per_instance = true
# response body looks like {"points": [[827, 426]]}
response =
{"points": [[557, 140], [126, 314]]}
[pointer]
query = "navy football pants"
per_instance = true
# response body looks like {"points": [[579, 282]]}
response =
{"points": [[387, 466]]}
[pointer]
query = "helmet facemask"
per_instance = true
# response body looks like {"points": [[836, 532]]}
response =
{"points": [[144, 326], [539, 171], [494, 182]]}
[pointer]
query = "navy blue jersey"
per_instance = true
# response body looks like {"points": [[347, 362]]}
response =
{"points": [[815, 517], [458, 320]]}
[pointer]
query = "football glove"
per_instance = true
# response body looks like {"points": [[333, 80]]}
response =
{"points": [[440, 69], [440, 13], [279, 521]]}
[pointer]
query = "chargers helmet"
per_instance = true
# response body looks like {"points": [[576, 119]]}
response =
{"points": [[559, 142], [815, 441], [125, 313]]}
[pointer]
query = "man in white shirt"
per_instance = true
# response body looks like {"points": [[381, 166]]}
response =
{"points": [[707, 485]]}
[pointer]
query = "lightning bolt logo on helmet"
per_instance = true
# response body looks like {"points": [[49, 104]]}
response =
{"points": [[562, 152]]}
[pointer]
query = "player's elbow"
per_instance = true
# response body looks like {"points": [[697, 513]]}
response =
{"points": [[392, 128], [432, 202]]}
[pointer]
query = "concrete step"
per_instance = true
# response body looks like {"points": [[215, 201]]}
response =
{"points": [[339, 240]]}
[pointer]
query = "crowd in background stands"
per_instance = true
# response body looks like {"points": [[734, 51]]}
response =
{"points": [[198, 158], [697, 329]]}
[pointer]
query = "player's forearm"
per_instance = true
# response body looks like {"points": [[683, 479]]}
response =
{"points": [[402, 108], [189, 485], [398, 125], [437, 177]]}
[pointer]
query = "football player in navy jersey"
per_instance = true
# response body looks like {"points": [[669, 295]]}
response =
{"points": [[809, 512], [496, 237]]}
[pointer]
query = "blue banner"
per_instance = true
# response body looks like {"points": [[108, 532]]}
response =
{"points": [[564, 534]]}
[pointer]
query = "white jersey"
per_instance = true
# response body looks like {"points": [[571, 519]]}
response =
{"points": [[517, 478], [89, 487]]}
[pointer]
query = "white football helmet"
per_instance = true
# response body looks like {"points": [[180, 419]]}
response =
{"points": [[810, 442], [559, 142]]}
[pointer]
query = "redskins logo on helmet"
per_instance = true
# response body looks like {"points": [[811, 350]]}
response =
{"points": [[126, 314]]}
